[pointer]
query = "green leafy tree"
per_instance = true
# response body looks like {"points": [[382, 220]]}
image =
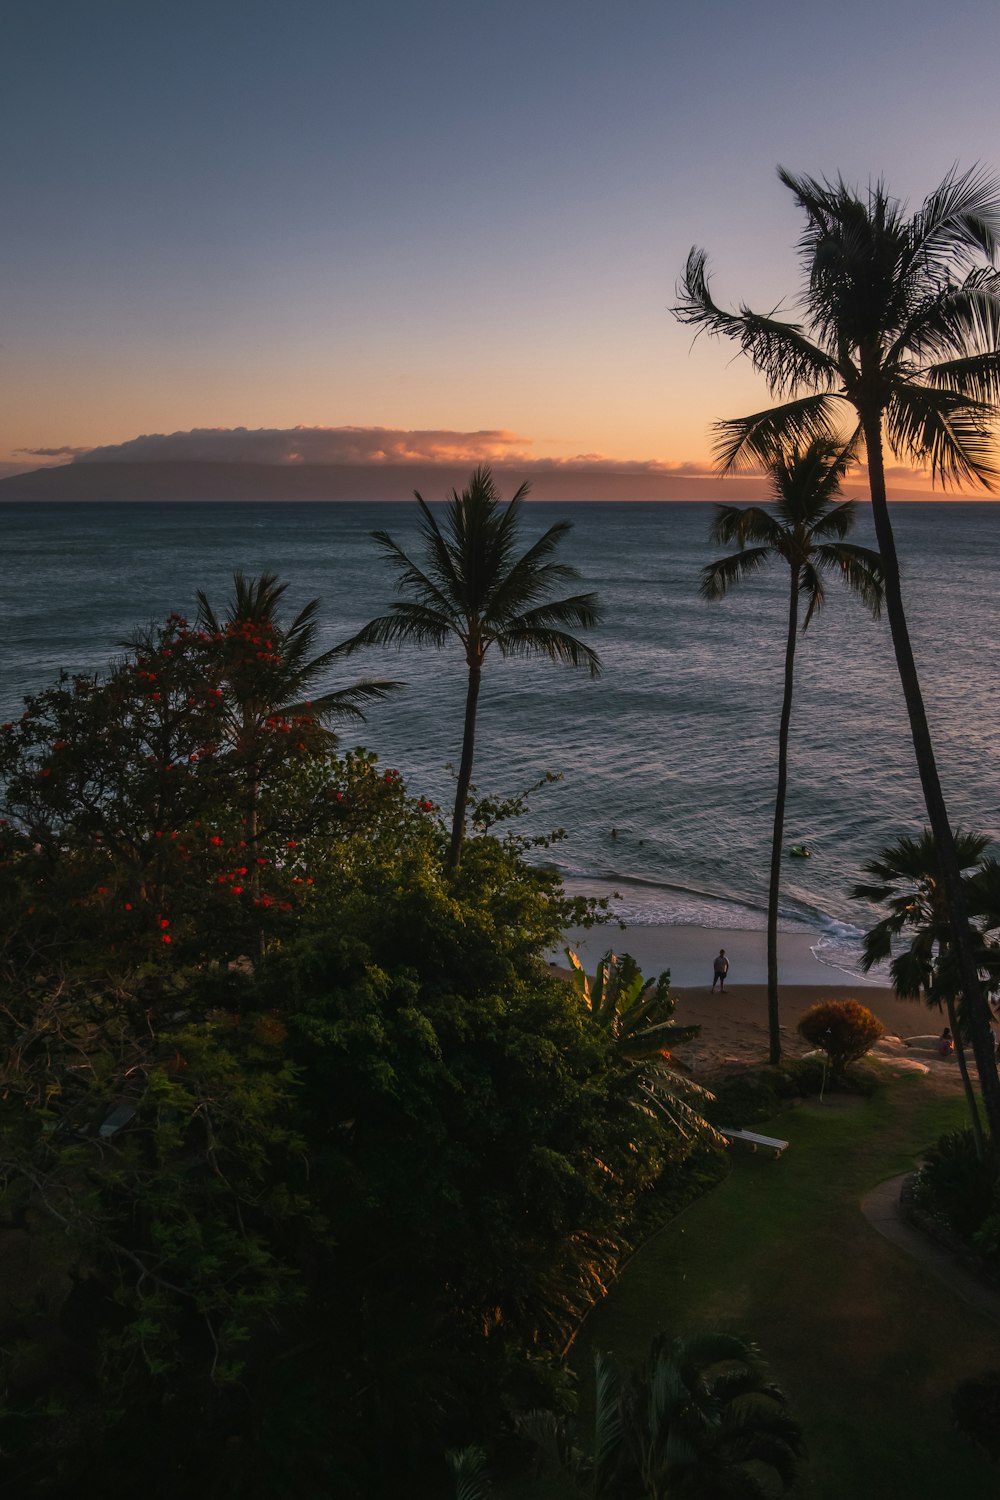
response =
{"points": [[906, 877], [473, 585], [804, 530], [900, 325]]}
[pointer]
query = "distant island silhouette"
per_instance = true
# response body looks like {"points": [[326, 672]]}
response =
{"points": [[186, 480]]}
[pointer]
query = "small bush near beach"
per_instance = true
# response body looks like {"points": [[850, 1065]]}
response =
{"points": [[844, 1029], [755, 1094], [962, 1191]]}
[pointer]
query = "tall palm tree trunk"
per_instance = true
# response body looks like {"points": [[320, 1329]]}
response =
{"points": [[963, 1068], [978, 1009], [465, 769], [774, 886]]}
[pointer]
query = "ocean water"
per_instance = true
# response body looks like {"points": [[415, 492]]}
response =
{"points": [[674, 746]]}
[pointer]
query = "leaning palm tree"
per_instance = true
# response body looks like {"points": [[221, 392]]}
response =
{"points": [[906, 878], [472, 585], [804, 530], [900, 324]]}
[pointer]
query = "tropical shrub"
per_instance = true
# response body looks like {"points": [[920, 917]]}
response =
{"points": [[975, 1408], [957, 1185], [699, 1418], [844, 1029]]}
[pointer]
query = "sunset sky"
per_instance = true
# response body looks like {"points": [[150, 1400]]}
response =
{"points": [[461, 222]]}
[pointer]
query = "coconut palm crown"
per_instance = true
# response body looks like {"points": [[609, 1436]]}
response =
{"points": [[905, 880], [270, 671], [900, 330], [805, 530], [472, 584]]}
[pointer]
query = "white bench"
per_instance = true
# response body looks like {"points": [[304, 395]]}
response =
{"points": [[753, 1140]]}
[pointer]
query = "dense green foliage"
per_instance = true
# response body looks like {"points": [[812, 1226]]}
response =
{"points": [[309, 1162], [962, 1189], [976, 1409], [699, 1418]]}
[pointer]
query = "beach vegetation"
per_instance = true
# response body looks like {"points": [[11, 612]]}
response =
{"points": [[637, 1014], [700, 1416], [473, 585], [777, 1248], [957, 1184], [898, 329], [906, 877], [844, 1029], [297, 1225], [805, 530], [269, 671]]}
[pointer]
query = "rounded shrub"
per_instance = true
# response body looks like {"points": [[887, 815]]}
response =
{"points": [[844, 1029]]}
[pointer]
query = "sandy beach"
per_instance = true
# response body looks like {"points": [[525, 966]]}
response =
{"points": [[734, 1024]]}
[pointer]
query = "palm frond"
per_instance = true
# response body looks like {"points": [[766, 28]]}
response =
{"points": [[949, 431], [782, 353], [346, 703], [409, 624], [411, 576], [719, 577], [859, 567], [468, 1469], [951, 321], [959, 220], [757, 440], [742, 524], [533, 635], [977, 377], [608, 1423], [811, 585]]}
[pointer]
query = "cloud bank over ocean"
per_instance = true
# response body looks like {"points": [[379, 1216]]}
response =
{"points": [[348, 445]]}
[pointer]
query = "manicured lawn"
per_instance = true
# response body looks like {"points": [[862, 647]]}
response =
{"points": [[867, 1346]]}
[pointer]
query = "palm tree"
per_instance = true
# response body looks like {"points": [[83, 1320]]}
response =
{"points": [[906, 876], [806, 531], [901, 324], [472, 585], [268, 669], [637, 1014], [701, 1418]]}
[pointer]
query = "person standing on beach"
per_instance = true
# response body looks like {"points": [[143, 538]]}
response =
{"points": [[720, 969]]}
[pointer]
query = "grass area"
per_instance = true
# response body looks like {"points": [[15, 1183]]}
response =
{"points": [[866, 1344]]}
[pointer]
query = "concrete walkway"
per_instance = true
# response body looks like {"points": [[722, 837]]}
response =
{"points": [[881, 1208]]}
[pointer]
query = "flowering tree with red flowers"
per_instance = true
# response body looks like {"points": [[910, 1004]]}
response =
{"points": [[270, 671]]}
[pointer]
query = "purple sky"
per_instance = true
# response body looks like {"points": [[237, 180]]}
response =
{"points": [[444, 218]]}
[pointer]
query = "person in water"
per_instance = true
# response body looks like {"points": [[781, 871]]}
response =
{"points": [[720, 969]]}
